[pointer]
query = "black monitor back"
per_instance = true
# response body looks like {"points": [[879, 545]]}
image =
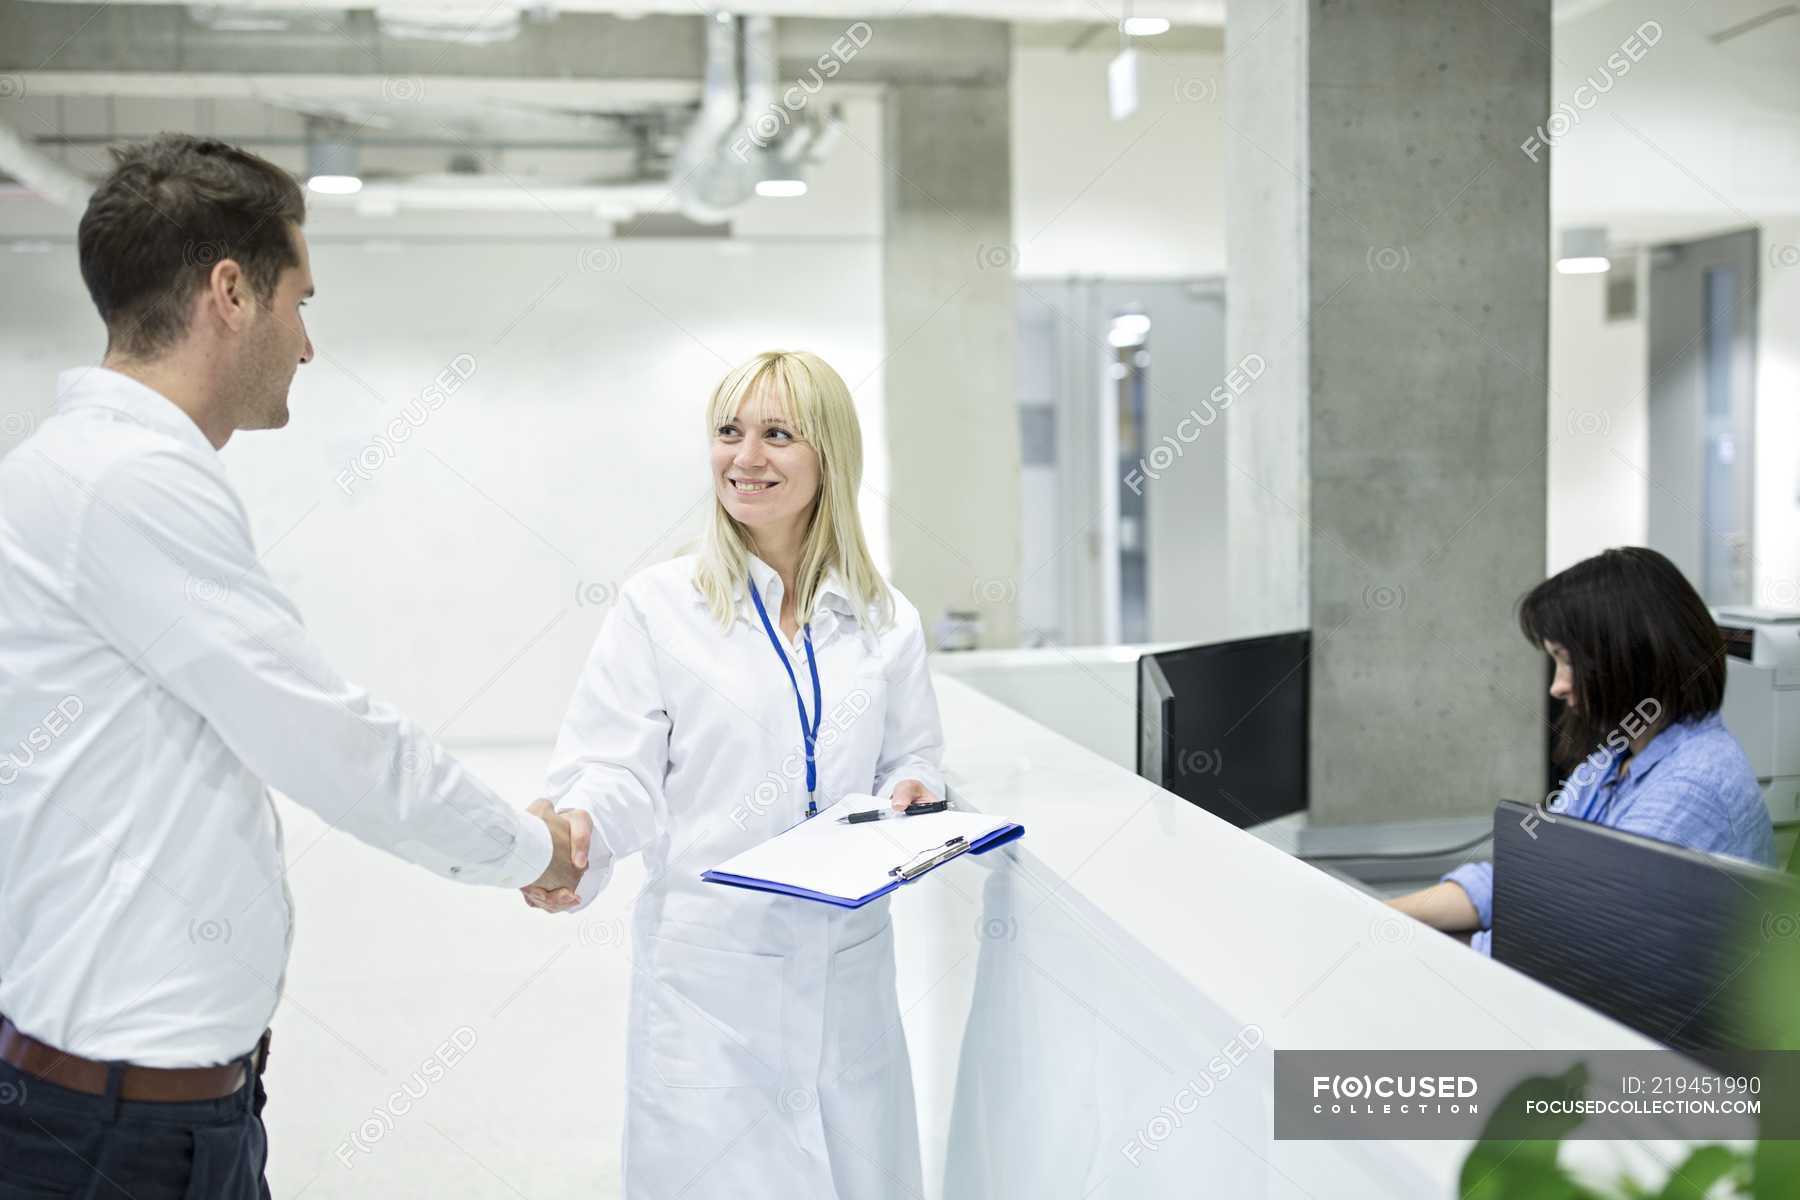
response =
{"points": [[1224, 725], [1655, 936]]}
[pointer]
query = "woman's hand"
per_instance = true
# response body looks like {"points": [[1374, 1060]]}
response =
{"points": [[561, 900], [911, 792]]}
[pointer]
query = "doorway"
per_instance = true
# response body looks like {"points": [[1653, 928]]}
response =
{"points": [[1702, 345]]}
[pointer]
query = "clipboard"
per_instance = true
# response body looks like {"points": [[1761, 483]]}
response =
{"points": [[850, 865]]}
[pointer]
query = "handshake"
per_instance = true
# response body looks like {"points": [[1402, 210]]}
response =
{"points": [[571, 832]]}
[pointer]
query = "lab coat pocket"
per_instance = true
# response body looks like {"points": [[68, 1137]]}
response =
{"points": [[863, 1033], [714, 1015]]}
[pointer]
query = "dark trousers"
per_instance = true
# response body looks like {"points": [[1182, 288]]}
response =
{"points": [[73, 1146]]}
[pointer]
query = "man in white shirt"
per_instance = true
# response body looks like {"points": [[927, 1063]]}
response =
{"points": [[154, 684]]}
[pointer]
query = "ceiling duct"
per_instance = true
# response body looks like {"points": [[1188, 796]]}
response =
{"points": [[41, 173], [712, 174]]}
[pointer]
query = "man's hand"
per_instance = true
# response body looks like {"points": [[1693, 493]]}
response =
{"points": [[910, 792], [571, 831]]}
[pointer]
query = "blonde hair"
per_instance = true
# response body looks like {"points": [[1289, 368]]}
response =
{"points": [[823, 416]]}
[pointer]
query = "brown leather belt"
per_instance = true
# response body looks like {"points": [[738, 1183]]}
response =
{"points": [[169, 1084]]}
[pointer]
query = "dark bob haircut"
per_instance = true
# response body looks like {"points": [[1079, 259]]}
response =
{"points": [[1635, 630], [170, 210]]}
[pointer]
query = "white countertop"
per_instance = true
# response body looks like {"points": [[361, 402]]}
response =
{"points": [[1273, 942]]}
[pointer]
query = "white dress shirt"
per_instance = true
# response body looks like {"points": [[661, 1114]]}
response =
{"points": [[154, 683]]}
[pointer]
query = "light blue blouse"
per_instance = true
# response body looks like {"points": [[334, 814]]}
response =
{"points": [[1691, 786]]}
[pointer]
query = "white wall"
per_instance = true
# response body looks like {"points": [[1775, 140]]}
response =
{"points": [[466, 579], [574, 455], [1139, 198], [1694, 139], [1777, 537], [1599, 428]]}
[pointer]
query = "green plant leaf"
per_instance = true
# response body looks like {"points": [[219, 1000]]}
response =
{"points": [[1516, 1156], [1695, 1178], [1777, 1170]]}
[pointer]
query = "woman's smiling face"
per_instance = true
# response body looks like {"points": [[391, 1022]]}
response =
{"points": [[763, 474]]}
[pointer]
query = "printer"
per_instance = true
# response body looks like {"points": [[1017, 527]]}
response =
{"points": [[1762, 699]]}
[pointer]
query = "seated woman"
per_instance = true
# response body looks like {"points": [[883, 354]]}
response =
{"points": [[1640, 669]]}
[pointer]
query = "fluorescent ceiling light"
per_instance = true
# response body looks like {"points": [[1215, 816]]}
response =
{"points": [[1145, 26], [1583, 251], [333, 160], [335, 185], [1128, 329]]}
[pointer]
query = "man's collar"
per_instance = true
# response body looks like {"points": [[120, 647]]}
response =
{"points": [[104, 387]]}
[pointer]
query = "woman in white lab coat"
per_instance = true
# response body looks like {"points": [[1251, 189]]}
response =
{"points": [[766, 1056]]}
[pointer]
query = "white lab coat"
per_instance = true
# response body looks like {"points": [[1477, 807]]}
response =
{"points": [[766, 1056]]}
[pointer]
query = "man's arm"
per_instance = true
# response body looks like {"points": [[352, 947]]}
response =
{"points": [[165, 570]]}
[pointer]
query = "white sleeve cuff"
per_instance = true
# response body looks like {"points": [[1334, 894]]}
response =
{"points": [[525, 863]]}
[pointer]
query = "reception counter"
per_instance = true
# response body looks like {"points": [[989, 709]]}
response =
{"points": [[1134, 952]]}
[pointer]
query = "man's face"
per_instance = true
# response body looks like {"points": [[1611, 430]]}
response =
{"points": [[276, 345]]}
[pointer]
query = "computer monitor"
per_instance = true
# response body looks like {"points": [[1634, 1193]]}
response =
{"points": [[1655, 936], [1223, 725]]}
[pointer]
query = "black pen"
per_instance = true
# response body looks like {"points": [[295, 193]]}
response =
{"points": [[881, 814]]}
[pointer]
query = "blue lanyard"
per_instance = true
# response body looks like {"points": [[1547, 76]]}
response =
{"points": [[808, 733]]}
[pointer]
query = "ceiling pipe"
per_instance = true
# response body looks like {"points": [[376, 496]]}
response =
{"points": [[41, 173]]}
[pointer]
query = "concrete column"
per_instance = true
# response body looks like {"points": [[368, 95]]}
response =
{"points": [[1388, 248], [947, 284]]}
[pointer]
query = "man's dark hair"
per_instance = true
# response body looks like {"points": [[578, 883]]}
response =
{"points": [[1635, 630], [170, 210]]}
